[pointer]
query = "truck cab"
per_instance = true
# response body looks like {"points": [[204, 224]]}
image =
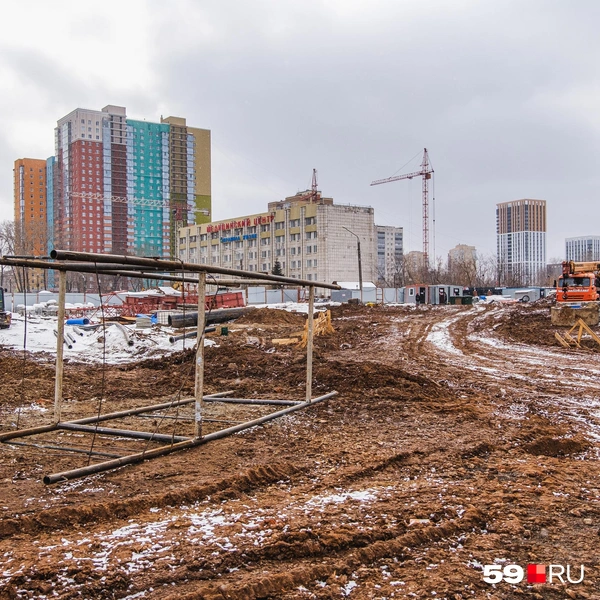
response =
{"points": [[580, 282]]}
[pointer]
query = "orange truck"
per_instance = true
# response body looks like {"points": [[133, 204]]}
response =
{"points": [[579, 282]]}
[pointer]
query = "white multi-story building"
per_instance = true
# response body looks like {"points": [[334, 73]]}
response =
{"points": [[389, 254], [308, 235], [583, 249], [521, 241]]}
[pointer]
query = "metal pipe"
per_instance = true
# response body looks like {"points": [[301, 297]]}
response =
{"points": [[217, 315], [116, 269], [143, 409], [66, 448], [257, 401], [173, 265], [65, 341], [9, 435], [70, 338], [309, 344], [141, 456], [125, 332], [128, 433], [188, 419], [199, 374], [58, 382], [190, 334]]}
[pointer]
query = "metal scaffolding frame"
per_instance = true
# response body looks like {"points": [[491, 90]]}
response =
{"points": [[157, 268]]}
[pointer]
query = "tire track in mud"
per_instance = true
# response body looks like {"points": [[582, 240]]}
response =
{"points": [[276, 583], [303, 542], [105, 512], [560, 383]]}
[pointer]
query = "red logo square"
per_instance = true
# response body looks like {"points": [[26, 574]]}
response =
{"points": [[536, 573]]}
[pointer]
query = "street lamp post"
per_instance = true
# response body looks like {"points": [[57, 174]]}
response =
{"points": [[360, 280]]}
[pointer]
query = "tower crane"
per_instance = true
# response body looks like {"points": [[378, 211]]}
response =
{"points": [[426, 172]]}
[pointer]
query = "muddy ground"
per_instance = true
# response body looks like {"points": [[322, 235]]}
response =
{"points": [[460, 437]]}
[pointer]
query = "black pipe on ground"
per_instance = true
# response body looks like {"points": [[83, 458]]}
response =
{"points": [[218, 315]]}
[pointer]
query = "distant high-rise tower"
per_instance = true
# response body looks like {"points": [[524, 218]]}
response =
{"points": [[583, 249], [31, 213], [521, 241]]}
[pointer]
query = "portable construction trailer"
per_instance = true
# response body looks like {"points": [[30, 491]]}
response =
{"points": [[439, 294], [416, 294]]}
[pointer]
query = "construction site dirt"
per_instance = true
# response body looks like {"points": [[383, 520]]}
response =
{"points": [[460, 437]]}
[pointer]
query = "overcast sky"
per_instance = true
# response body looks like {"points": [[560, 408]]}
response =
{"points": [[505, 95]]}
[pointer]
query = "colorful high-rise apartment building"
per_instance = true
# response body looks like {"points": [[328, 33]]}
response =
{"points": [[125, 186]]}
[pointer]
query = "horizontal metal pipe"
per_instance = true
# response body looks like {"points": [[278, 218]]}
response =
{"points": [[186, 419], [190, 335], [144, 409], [266, 402], [136, 458], [128, 433], [173, 265], [216, 315], [117, 269], [66, 448], [9, 435]]}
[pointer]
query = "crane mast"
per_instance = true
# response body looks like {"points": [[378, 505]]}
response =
{"points": [[426, 172]]}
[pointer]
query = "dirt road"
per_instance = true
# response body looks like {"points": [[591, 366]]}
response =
{"points": [[460, 437]]}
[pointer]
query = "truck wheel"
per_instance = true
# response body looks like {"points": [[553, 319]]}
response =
{"points": [[525, 298]]}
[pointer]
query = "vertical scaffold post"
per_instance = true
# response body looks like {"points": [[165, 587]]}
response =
{"points": [[60, 338], [309, 345], [199, 389]]}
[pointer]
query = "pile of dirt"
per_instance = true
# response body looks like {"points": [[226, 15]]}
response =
{"points": [[272, 316]]}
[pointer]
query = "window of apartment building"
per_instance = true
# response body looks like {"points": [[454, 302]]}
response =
{"points": [[280, 239], [214, 235], [295, 237], [238, 231], [251, 243], [265, 241], [310, 220], [252, 229], [203, 237], [295, 223], [292, 251], [311, 235], [265, 228], [279, 224], [293, 264], [309, 277]]}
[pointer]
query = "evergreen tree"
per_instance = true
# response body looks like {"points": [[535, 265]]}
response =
{"points": [[277, 270]]}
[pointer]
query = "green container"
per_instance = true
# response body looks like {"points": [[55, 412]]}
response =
{"points": [[224, 331]]}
